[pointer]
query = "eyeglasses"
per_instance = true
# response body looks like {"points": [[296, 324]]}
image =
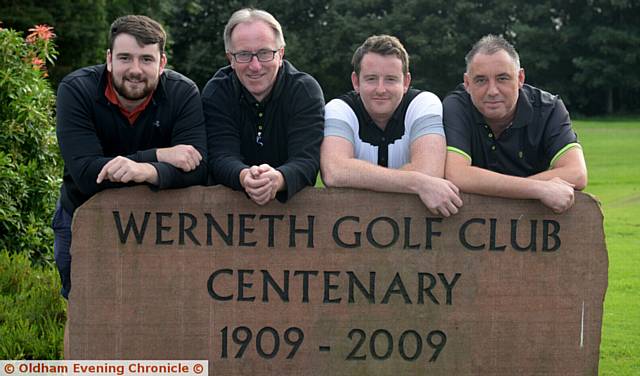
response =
{"points": [[262, 55]]}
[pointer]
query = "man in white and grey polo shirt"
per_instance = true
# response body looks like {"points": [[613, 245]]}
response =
{"points": [[384, 136]]}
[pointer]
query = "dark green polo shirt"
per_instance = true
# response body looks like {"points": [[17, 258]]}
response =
{"points": [[540, 133]]}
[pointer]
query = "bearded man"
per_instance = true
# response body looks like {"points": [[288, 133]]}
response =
{"points": [[129, 121]]}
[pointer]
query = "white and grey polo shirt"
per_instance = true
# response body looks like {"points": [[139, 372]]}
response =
{"points": [[419, 114]]}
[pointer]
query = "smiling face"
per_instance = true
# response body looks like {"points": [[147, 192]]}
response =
{"points": [[493, 82], [135, 70], [256, 76], [381, 84]]}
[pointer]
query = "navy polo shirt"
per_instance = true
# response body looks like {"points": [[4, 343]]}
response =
{"points": [[540, 133]]}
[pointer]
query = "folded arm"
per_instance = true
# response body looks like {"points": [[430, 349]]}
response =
{"points": [[555, 193], [570, 167], [305, 130], [340, 168]]}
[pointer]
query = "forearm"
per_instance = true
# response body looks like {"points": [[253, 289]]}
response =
{"points": [[143, 156], [225, 160], [410, 167], [152, 175], [355, 173], [297, 174], [431, 169], [428, 154], [169, 176], [226, 170], [477, 180], [575, 175]]}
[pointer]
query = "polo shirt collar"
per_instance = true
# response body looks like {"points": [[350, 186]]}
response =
{"points": [[524, 112]]}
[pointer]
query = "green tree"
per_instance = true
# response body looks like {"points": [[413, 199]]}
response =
{"points": [[197, 28], [29, 161], [608, 54], [539, 31], [32, 312], [81, 27], [322, 36]]}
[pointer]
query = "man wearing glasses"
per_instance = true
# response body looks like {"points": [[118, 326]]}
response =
{"points": [[264, 118]]}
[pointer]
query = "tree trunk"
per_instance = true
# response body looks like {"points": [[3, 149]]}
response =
{"points": [[609, 101]]}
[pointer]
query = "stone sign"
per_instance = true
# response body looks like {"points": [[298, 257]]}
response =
{"points": [[338, 282]]}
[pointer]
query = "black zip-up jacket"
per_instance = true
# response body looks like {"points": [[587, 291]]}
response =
{"points": [[91, 131], [292, 121]]}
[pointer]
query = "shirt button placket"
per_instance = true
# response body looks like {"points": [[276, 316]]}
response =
{"points": [[260, 125]]}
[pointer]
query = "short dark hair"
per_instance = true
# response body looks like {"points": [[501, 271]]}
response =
{"points": [[383, 45], [489, 45], [144, 29]]}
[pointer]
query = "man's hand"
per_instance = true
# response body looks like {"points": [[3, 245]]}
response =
{"points": [[124, 170], [262, 183], [184, 157], [439, 196], [558, 195]]}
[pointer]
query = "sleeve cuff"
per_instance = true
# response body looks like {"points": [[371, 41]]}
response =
{"points": [[461, 152], [145, 156], [161, 183], [561, 153]]}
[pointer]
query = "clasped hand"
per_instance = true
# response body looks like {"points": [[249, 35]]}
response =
{"points": [[261, 183]]}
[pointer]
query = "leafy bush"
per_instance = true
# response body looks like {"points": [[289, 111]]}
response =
{"points": [[29, 159], [32, 312]]}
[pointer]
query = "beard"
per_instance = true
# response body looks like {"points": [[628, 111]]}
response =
{"points": [[142, 88]]}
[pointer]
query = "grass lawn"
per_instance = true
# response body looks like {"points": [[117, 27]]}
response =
{"points": [[613, 158]]}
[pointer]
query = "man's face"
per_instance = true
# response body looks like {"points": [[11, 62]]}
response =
{"points": [[134, 69], [493, 83], [258, 77], [381, 84]]}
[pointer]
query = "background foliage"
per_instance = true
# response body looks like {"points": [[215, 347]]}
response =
{"points": [[585, 50], [32, 313], [29, 161]]}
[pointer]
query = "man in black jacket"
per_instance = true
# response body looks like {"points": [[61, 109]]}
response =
{"points": [[129, 121], [264, 118]]}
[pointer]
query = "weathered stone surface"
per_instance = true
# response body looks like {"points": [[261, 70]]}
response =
{"points": [[338, 282]]}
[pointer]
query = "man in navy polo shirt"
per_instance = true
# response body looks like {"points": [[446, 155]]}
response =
{"points": [[385, 136], [129, 121], [509, 139]]}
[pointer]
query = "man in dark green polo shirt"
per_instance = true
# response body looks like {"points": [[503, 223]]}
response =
{"points": [[509, 139]]}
